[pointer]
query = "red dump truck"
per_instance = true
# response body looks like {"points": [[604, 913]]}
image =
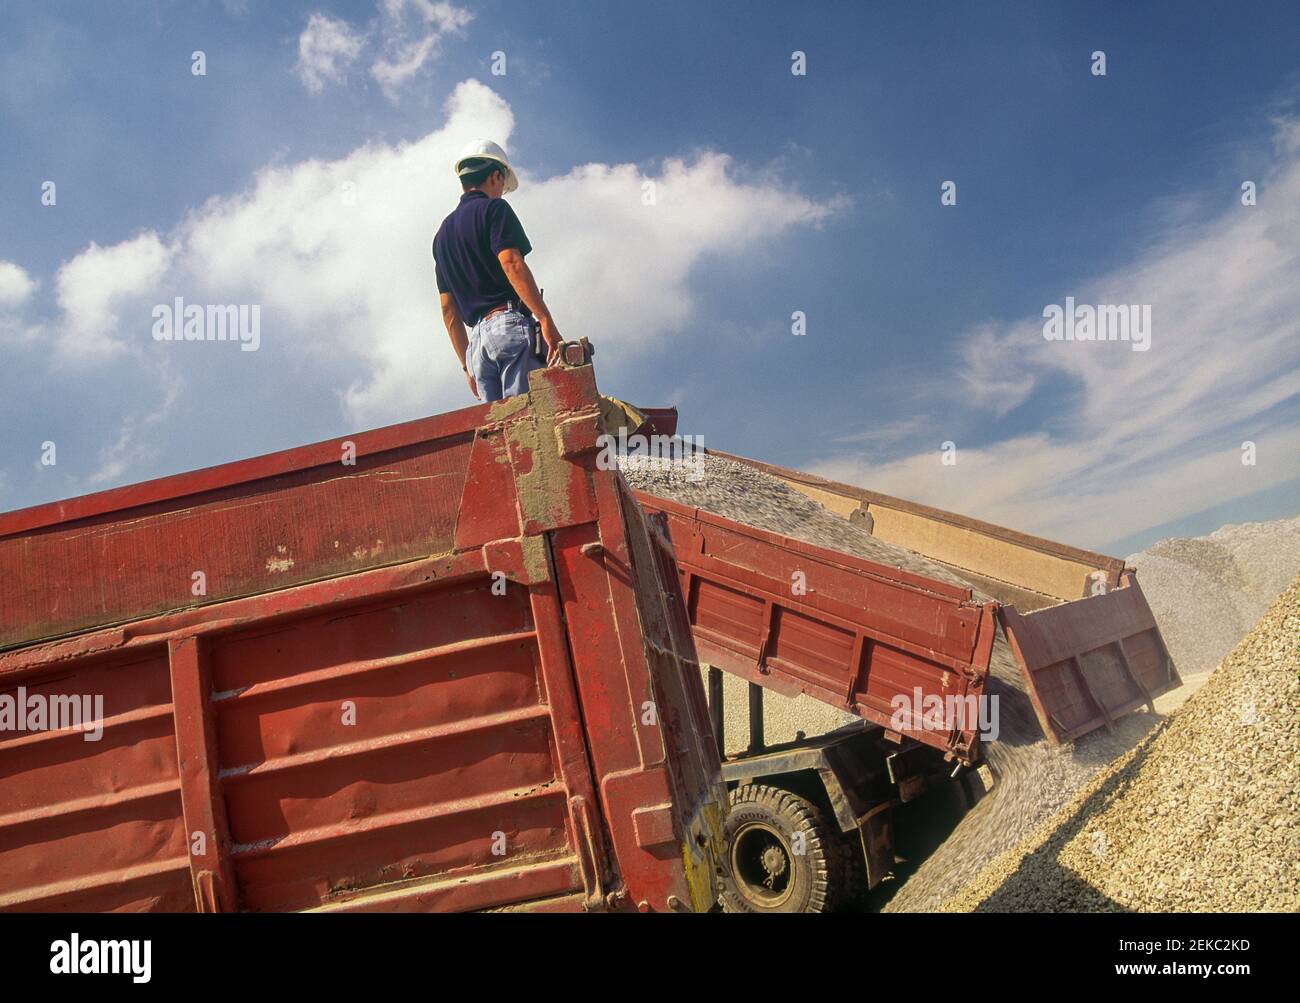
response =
{"points": [[437, 666], [877, 642]]}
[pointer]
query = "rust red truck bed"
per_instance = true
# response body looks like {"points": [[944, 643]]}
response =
{"points": [[436, 666], [855, 635], [1087, 643]]}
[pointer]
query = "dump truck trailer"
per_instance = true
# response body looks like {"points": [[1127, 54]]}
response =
{"points": [[888, 645], [442, 665]]}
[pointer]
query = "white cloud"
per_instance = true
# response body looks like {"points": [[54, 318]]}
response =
{"points": [[337, 255], [988, 379], [137, 440], [1136, 439], [16, 286], [899, 429], [413, 31], [359, 277], [409, 34], [441, 15], [401, 62], [326, 48], [92, 286], [16, 289]]}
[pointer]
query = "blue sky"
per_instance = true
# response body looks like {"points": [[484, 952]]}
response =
{"points": [[776, 193]]}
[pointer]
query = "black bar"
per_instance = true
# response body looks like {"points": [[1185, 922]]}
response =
{"points": [[1104, 950], [715, 710]]}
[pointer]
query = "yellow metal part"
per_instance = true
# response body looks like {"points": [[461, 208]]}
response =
{"points": [[704, 851]]}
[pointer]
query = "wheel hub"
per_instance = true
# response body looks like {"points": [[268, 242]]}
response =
{"points": [[774, 863], [760, 863]]}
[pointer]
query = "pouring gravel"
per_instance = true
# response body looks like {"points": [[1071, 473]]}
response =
{"points": [[1033, 779], [1203, 816]]}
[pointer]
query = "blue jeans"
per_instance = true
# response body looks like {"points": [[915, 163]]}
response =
{"points": [[500, 355]]}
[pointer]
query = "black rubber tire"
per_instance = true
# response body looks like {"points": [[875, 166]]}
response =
{"points": [[852, 890], [766, 824]]}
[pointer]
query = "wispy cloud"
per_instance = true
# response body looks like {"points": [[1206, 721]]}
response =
{"points": [[137, 440], [405, 34], [412, 33], [1134, 439], [326, 48], [889, 433]]}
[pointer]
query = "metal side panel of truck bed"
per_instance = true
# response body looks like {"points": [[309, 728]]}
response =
{"points": [[436, 666], [860, 636]]}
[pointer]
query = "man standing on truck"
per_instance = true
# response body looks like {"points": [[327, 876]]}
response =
{"points": [[484, 284]]}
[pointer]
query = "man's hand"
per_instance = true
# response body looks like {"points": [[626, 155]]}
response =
{"points": [[459, 337], [551, 335]]}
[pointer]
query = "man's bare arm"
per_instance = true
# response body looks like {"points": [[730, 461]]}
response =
{"points": [[459, 339], [521, 278]]}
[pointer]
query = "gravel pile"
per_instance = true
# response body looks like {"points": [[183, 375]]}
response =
{"points": [[1203, 816], [784, 718], [1033, 779], [1208, 591]]}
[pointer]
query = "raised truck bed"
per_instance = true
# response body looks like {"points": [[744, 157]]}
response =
{"points": [[436, 666]]}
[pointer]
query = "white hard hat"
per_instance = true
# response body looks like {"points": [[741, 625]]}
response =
{"points": [[485, 149]]}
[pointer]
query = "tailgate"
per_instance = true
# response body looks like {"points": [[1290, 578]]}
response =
{"points": [[1091, 660]]}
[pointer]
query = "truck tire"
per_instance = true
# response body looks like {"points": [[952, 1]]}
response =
{"points": [[765, 828], [853, 886]]}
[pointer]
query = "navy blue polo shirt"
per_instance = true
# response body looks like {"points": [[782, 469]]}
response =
{"points": [[465, 253]]}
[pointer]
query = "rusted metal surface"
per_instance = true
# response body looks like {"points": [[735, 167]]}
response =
{"points": [[660, 420], [1090, 661], [858, 636], [245, 527], [498, 708]]}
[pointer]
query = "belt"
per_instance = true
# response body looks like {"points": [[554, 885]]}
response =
{"points": [[507, 305]]}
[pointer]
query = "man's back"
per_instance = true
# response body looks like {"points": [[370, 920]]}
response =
{"points": [[466, 250]]}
